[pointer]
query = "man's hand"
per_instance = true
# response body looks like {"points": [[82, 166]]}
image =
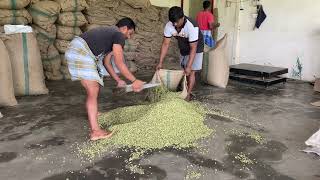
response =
{"points": [[137, 85], [121, 83], [187, 71], [159, 66]]}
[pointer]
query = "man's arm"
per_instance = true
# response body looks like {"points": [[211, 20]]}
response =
{"points": [[164, 51], [118, 60], [107, 64], [113, 74]]}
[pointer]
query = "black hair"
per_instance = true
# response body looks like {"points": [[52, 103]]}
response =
{"points": [[126, 22], [175, 13], [206, 4]]}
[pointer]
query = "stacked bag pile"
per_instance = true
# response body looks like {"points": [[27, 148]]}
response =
{"points": [[68, 26], [44, 15], [14, 12], [144, 49], [56, 22]]}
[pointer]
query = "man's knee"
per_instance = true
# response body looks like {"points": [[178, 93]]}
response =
{"points": [[92, 91], [92, 88], [192, 73]]}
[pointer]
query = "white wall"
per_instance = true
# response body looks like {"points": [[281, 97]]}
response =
{"points": [[291, 30]]}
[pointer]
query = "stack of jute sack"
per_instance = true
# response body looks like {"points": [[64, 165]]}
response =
{"points": [[21, 70], [14, 12], [103, 13], [143, 49], [68, 26], [44, 15]]}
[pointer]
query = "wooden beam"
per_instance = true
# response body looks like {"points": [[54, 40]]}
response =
{"points": [[182, 4], [212, 6]]}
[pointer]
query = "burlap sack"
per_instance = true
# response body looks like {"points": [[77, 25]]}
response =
{"points": [[152, 27], [164, 15], [107, 20], [131, 45], [146, 36], [52, 64], [65, 72], [99, 12], [215, 66], [145, 49], [72, 19], [45, 38], [72, 5], [88, 27], [34, 1], [63, 60], [132, 66], [53, 76], [26, 64], [61, 45], [67, 33], [44, 13], [138, 3], [53, 73], [15, 17], [124, 10], [6, 82], [151, 13], [51, 53], [103, 3], [171, 79], [14, 4]]}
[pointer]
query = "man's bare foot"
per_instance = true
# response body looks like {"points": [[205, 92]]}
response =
{"points": [[189, 97], [100, 134]]}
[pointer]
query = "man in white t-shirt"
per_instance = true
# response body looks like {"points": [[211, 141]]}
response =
{"points": [[190, 41]]}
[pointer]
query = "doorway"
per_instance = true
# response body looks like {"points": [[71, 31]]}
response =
{"points": [[195, 6]]}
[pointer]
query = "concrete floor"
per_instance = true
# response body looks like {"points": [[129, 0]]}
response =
{"points": [[40, 136]]}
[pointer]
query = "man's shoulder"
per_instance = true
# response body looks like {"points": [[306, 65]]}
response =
{"points": [[169, 25], [110, 28], [200, 13]]}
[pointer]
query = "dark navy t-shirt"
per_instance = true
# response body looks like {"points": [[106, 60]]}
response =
{"points": [[100, 40]]}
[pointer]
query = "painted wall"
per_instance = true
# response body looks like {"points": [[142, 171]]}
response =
{"points": [[165, 3], [170, 3], [291, 31]]}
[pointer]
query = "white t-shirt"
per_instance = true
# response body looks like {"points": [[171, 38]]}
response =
{"points": [[189, 33]]}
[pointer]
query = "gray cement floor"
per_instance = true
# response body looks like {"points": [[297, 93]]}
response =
{"points": [[40, 136]]}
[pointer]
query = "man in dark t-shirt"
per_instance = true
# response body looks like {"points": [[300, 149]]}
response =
{"points": [[190, 41], [88, 54]]}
